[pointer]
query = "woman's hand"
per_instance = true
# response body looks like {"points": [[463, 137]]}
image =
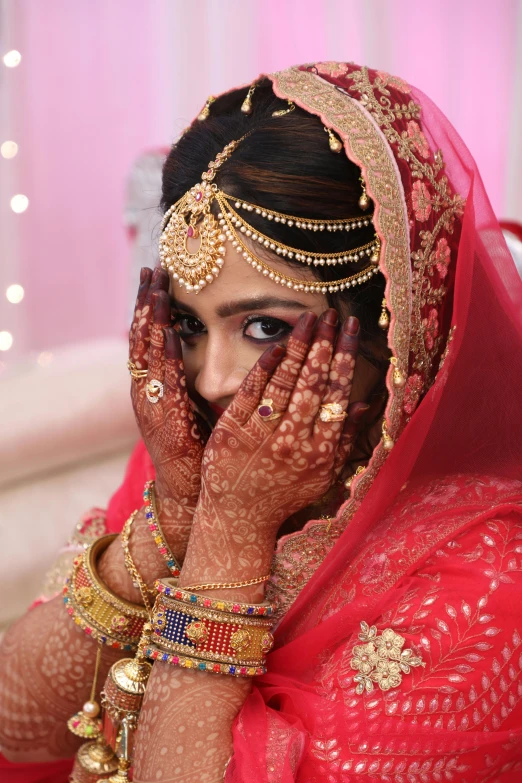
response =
{"points": [[256, 472], [173, 437]]}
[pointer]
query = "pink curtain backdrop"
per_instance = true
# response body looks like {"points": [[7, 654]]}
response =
{"points": [[102, 80]]}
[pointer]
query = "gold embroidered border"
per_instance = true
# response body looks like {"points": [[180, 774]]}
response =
{"points": [[366, 146]]}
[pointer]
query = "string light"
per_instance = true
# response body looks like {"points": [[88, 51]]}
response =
{"points": [[9, 149], [12, 58], [6, 341], [19, 203], [15, 293]]}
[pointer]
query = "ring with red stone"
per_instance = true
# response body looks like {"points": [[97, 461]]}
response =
{"points": [[266, 410], [332, 411], [154, 391]]}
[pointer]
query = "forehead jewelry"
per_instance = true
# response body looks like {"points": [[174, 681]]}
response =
{"points": [[190, 220]]}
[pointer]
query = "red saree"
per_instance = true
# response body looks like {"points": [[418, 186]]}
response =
{"points": [[429, 545]]}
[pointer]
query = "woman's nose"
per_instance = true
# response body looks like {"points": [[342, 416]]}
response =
{"points": [[219, 376]]}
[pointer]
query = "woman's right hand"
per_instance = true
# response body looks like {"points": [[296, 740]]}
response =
{"points": [[172, 435]]}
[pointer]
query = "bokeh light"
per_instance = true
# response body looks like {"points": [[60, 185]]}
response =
{"points": [[15, 293], [6, 341], [19, 203], [12, 58], [9, 149]]}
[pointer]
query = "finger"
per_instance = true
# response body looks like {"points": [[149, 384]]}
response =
{"points": [[139, 350], [176, 396], [355, 416], [309, 389], [340, 379], [160, 319], [250, 393], [283, 380], [145, 278]]}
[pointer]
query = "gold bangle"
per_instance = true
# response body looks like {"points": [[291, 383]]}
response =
{"points": [[228, 585], [100, 613], [133, 572]]}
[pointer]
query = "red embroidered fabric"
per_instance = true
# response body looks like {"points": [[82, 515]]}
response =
{"points": [[433, 550]]}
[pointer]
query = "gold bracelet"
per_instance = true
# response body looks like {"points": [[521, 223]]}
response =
{"points": [[100, 613], [133, 572], [228, 585]]}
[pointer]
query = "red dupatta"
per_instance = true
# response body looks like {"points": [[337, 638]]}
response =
{"points": [[433, 535]]}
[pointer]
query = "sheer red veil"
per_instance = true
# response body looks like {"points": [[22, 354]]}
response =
{"points": [[456, 330]]}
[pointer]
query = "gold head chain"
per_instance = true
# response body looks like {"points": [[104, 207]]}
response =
{"points": [[191, 218]]}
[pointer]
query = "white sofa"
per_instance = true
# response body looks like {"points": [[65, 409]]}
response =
{"points": [[67, 429]]}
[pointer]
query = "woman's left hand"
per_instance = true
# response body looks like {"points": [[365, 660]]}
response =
{"points": [[256, 471]]}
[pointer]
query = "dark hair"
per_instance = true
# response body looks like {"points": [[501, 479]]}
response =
{"points": [[285, 165]]}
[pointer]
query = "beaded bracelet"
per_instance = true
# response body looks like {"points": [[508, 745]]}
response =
{"points": [[133, 572], [101, 614], [154, 526], [210, 640], [169, 588]]}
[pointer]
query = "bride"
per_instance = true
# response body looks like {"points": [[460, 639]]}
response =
{"points": [[322, 578]]}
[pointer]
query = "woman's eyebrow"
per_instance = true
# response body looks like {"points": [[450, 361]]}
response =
{"points": [[246, 305]]}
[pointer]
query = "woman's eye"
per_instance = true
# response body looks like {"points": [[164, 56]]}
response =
{"points": [[267, 329], [188, 326]]}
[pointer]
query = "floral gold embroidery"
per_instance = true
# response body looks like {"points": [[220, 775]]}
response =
{"points": [[381, 659]]}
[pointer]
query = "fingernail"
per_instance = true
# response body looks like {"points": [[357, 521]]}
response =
{"points": [[352, 325], [330, 317], [155, 274], [277, 351], [143, 274]]}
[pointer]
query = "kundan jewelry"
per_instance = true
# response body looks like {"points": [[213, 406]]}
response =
{"points": [[191, 220], [212, 639]]}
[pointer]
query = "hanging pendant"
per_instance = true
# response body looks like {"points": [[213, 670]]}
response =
{"points": [[246, 106], [333, 141], [387, 441], [398, 378], [193, 270], [94, 762], [364, 201], [384, 319]]}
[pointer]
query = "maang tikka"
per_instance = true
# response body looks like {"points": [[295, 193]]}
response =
{"points": [[191, 219]]}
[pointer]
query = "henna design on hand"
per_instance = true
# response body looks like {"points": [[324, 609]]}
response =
{"points": [[257, 472], [169, 427]]}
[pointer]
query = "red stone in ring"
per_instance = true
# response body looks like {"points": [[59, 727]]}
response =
{"points": [[265, 409]]}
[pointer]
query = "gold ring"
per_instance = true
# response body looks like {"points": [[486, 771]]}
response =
{"points": [[332, 411], [266, 410], [135, 373], [154, 391]]}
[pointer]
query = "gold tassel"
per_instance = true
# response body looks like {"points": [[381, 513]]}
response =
{"points": [[86, 723], [349, 481], [375, 256], [205, 111], [333, 141], [387, 441], [364, 201], [398, 378], [282, 112], [384, 319], [246, 106]]}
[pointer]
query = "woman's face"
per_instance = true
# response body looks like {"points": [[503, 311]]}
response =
{"points": [[225, 328]]}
